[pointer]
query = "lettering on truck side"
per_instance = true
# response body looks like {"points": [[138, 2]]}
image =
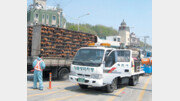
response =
{"points": [[83, 69]]}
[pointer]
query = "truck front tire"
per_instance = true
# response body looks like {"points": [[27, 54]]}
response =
{"points": [[111, 87]]}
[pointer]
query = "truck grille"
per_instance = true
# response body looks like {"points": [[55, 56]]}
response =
{"points": [[84, 75]]}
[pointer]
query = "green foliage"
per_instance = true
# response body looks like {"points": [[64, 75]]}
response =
{"points": [[71, 27], [99, 30], [104, 31]]}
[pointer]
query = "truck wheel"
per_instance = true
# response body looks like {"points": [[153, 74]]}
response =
{"points": [[63, 74], [83, 86], [111, 87], [134, 80]]}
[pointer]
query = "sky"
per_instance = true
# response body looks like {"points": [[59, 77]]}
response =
{"points": [[136, 13]]}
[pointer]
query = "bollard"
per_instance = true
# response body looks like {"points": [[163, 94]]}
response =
{"points": [[50, 76]]}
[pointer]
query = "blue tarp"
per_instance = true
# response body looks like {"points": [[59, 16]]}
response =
{"points": [[147, 69]]}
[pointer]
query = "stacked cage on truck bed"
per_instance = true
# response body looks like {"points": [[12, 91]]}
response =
{"points": [[57, 42], [58, 46]]}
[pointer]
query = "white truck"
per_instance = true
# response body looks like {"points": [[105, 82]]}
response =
{"points": [[105, 67]]}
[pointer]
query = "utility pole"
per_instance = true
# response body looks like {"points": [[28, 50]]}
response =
{"points": [[145, 38]]}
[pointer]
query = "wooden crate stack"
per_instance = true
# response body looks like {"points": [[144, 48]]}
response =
{"points": [[58, 42]]}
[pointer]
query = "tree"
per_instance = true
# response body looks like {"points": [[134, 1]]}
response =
{"points": [[99, 30]]}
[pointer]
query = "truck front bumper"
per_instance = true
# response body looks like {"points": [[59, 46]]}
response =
{"points": [[88, 81]]}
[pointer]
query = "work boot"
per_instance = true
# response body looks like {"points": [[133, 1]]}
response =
{"points": [[35, 88]]}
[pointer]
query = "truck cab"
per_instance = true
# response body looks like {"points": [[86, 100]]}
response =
{"points": [[104, 67]]}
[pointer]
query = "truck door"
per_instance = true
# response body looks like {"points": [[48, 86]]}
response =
{"points": [[124, 61]]}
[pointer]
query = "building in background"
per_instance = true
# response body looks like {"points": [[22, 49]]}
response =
{"points": [[114, 38], [124, 36], [39, 13], [39, 4], [134, 41], [124, 32]]}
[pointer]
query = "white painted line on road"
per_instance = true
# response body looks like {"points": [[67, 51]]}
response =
{"points": [[67, 97], [46, 93], [144, 88], [53, 87]]}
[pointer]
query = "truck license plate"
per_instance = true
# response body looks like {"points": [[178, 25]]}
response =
{"points": [[81, 80]]}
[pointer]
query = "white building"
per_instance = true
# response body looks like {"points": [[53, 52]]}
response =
{"points": [[134, 41], [114, 38], [124, 32], [109, 40]]}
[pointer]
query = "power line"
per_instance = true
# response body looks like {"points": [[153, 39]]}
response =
{"points": [[67, 4]]}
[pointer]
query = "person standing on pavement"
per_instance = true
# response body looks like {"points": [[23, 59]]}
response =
{"points": [[38, 66]]}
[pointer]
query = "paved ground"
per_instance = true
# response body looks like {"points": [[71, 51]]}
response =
{"points": [[67, 91]]}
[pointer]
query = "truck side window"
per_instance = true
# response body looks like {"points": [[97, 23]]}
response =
{"points": [[123, 56], [110, 60], [107, 52]]}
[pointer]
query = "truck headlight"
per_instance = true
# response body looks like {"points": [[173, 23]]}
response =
{"points": [[72, 73], [96, 76]]}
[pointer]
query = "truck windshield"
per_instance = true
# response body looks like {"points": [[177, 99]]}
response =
{"points": [[89, 57]]}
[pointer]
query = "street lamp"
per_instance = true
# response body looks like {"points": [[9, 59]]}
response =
{"points": [[80, 17]]}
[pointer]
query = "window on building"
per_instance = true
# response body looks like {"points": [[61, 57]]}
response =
{"points": [[114, 39], [54, 18], [37, 16], [118, 39], [47, 17]]}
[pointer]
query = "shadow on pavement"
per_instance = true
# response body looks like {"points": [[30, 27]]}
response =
{"points": [[30, 87], [93, 90], [30, 77]]}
